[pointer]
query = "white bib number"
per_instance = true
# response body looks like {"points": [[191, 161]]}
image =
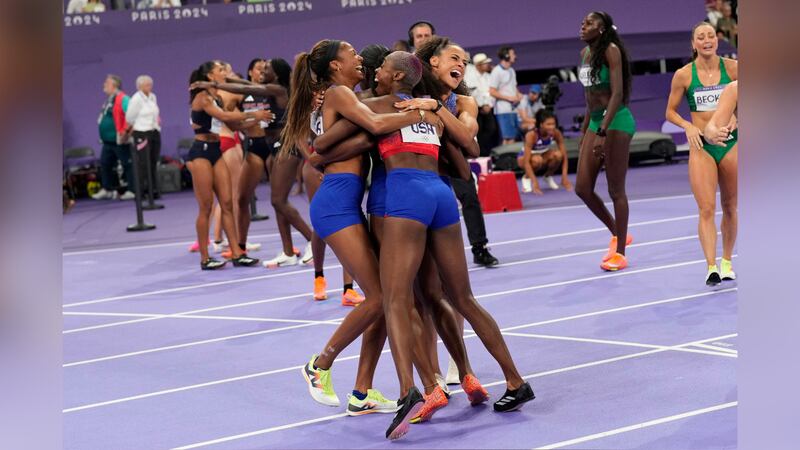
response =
{"points": [[316, 123], [420, 133], [707, 98], [253, 107], [585, 75], [216, 126]]}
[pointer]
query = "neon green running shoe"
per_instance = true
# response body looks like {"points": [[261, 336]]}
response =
{"points": [[375, 402], [319, 382]]}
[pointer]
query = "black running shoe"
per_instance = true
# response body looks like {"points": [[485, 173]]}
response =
{"points": [[513, 400], [212, 264], [244, 260], [408, 407], [713, 278], [483, 257]]}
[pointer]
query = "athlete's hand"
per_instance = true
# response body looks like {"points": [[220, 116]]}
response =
{"points": [[427, 104], [717, 136], [693, 135], [319, 97], [265, 115], [537, 191], [567, 185], [433, 119], [317, 161], [599, 147]]}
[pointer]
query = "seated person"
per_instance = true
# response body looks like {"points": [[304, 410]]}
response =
{"points": [[543, 149]]}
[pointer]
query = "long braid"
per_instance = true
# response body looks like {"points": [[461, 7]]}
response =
{"points": [[598, 54]]}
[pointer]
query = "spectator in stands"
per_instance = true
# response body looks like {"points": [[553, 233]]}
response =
{"points": [[528, 108], [477, 81], [85, 6], [727, 25], [144, 4], [145, 122], [503, 87], [419, 33], [714, 9], [116, 147]]}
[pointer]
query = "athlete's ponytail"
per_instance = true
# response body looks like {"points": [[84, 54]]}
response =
{"points": [[301, 98], [311, 74]]}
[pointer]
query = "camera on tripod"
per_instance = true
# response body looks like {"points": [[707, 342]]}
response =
{"points": [[551, 92]]}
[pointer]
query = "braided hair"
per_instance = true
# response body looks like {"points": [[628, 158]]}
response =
{"points": [[598, 53]]}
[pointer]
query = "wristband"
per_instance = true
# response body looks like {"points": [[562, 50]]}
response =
{"points": [[438, 106]]}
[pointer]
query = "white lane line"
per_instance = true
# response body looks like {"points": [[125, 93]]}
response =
{"points": [[176, 316], [580, 206], [624, 273], [348, 358], [195, 311], [304, 295], [718, 349], [198, 286], [496, 383], [493, 294], [594, 230], [188, 344], [295, 234], [638, 426], [619, 343], [298, 272], [166, 244]]}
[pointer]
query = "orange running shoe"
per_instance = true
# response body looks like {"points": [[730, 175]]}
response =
{"points": [[320, 288], [474, 390], [612, 246], [228, 254], [616, 262], [352, 298], [433, 402]]}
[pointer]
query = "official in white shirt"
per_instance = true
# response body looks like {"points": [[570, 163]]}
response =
{"points": [[144, 121], [478, 81]]}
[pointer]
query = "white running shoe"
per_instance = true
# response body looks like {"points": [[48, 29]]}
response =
{"points": [[253, 246], [526, 184], [308, 255], [128, 195], [103, 194], [551, 183], [282, 260], [440, 381], [221, 247], [452, 373]]}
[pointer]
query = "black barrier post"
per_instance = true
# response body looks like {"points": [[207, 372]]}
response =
{"points": [[139, 225], [151, 185]]}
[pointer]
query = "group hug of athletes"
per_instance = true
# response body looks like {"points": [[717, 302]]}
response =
{"points": [[409, 129]]}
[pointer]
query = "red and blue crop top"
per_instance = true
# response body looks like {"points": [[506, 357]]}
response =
{"points": [[420, 138]]}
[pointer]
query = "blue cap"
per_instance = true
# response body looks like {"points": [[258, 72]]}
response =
{"points": [[536, 88]]}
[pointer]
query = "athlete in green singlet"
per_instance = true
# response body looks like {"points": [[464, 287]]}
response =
{"points": [[608, 127], [702, 82]]}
